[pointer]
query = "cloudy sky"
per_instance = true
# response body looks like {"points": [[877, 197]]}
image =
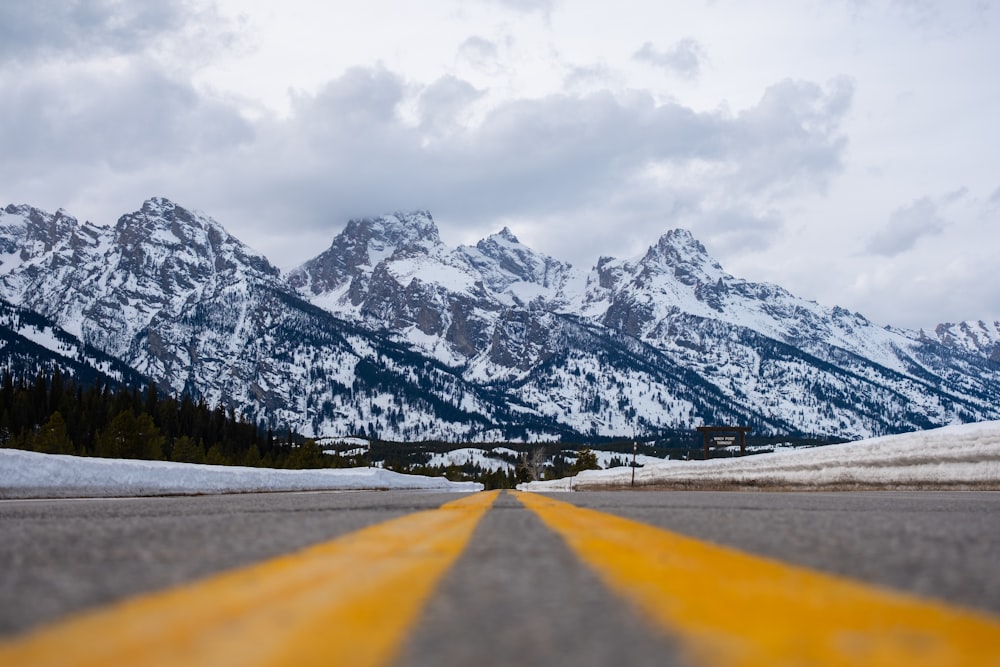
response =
{"points": [[848, 150]]}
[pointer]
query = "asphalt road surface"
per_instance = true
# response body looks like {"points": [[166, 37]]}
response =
{"points": [[517, 592]]}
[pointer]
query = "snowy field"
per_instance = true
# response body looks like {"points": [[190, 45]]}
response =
{"points": [[472, 456], [605, 458], [953, 456], [30, 475]]}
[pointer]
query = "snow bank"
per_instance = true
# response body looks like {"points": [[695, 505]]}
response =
{"points": [[967, 454], [31, 475]]}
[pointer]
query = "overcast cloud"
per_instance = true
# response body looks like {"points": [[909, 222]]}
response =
{"points": [[684, 58], [906, 226], [49, 28], [844, 150]]}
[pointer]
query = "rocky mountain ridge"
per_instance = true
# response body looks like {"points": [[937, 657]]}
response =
{"points": [[980, 337], [390, 332]]}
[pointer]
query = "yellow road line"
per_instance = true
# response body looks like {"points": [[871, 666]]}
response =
{"points": [[729, 608], [349, 601]]}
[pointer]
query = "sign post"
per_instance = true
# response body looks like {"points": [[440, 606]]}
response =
{"points": [[634, 447], [724, 436]]}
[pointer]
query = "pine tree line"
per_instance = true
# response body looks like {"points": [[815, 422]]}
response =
{"points": [[53, 414]]}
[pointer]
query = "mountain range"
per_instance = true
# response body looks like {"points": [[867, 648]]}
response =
{"points": [[390, 333]]}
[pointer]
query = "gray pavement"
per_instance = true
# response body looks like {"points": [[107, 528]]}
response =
{"points": [[517, 595], [62, 556], [939, 544]]}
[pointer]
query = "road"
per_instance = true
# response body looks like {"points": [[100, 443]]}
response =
{"points": [[505, 583]]}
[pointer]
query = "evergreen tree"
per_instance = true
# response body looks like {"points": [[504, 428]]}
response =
{"points": [[585, 460], [56, 388], [152, 399], [107, 420], [186, 450], [52, 437], [306, 455], [252, 458], [130, 437], [215, 456]]}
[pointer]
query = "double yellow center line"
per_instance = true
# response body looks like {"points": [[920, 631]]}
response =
{"points": [[353, 601], [350, 601], [729, 608]]}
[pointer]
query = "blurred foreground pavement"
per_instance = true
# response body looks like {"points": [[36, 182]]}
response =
{"points": [[548, 585]]}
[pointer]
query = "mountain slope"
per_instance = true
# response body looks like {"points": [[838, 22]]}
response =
{"points": [[170, 293], [31, 344], [678, 299], [391, 333], [794, 364], [980, 338]]}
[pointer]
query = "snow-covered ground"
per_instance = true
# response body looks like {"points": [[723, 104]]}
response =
{"points": [[473, 456], [605, 458], [967, 454], [30, 475]]}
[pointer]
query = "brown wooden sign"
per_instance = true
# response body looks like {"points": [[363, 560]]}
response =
{"points": [[724, 436]]}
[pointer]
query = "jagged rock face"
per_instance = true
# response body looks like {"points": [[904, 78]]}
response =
{"points": [[679, 252], [107, 284], [204, 291], [982, 338], [394, 273], [27, 233], [42, 253], [361, 247], [503, 261], [371, 272], [406, 338], [124, 288], [674, 275], [170, 292], [678, 300], [174, 244], [521, 340]]}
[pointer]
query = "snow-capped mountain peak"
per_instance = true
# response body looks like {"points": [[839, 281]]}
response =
{"points": [[408, 338], [404, 227], [507, 235], [363, 245], [108, 284], [684, 257], [503, 260], [401, 231], [174, 239], [27, 232]]}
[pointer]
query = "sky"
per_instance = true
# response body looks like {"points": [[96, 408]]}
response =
{"points": [[847, 150]]}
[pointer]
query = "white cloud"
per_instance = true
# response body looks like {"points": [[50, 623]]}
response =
{"points": [[481, 53], [443, 105], [741, 230], [906, 226], [543, 6], [52, 28], [582, 79], [347, 150], [55, 30], [684, 58], [560, 152], [138, 117], [811, 121]]}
